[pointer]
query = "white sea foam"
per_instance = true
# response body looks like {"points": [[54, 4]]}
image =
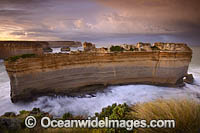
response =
{"points": [[58, 50], [129, 94], [88, 105]]}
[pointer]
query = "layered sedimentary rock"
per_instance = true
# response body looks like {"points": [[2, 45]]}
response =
{"points": [[13, 48], [79, 72], [56, 44]]}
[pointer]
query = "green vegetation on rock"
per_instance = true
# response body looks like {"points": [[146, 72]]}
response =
{"points": [[185, 112], [131, 49], [115, 112], [154, 48], [15, 58], [23, 112], [116, 49], [67, 116]]}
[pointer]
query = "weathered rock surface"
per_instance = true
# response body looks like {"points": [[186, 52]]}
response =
{"points": [[88, 46], [56, 44], [14, 48], [77, 73], [189, 79]]}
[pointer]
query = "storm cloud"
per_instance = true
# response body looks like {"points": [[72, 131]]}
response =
{"points": [[113, 21]]}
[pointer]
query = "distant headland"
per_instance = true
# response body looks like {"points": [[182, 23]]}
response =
{"points": [[13, 48]]}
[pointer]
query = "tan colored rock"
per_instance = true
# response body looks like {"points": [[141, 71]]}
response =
{"points": [[143, 46], [88, 46], [77, 73], [101, 50], [14, 48], [171, 46], [58, 44]]}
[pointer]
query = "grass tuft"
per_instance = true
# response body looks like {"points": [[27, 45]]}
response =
{"points": [[185, 112]]}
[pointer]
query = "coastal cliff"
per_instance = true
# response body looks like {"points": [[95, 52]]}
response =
{"points": [[15, 48], [56, 44], [79, 72]]}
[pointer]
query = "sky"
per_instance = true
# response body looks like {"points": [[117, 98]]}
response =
{"points": [[101, 21]]}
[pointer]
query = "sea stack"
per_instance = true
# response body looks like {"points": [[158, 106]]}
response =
{"points": [[78, 72]]}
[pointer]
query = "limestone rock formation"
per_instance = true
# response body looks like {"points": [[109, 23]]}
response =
{"points": [[79, 72], [189, 79], [13, 48], [57, 44], [88, 46]]}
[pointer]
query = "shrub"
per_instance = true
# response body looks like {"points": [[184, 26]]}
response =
{"points": [[67, 116], [9, 114], [131, 49], [27, 55], [185, 112], [15, 58], [116, 48], [115, 112], [23, 112], [154, 48]]}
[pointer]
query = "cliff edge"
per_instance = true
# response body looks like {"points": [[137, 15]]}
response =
{"points": [[78, 72], [15, 48]]}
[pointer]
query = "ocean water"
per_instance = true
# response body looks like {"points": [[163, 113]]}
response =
{"points": [[58, 50], [88, 105]]}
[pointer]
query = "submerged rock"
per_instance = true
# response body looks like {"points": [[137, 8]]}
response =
{"points": [[47, 49], [65, 49]]}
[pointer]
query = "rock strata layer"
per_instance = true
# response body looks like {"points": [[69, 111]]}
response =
{"points": [[14, 48], [76, 73], [56, 44]]}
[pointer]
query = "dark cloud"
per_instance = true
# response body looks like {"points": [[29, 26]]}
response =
{"points": [[101, 20], [165, 13], [12, 12]]}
